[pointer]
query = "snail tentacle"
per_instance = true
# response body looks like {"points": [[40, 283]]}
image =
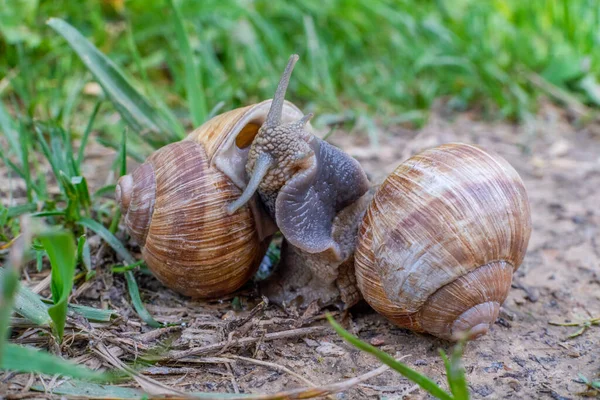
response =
{"points": [[274, 115], [263, 163]]}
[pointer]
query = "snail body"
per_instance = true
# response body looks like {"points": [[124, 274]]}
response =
{"points": [[312, 191], [174, 206], [441, 239]]}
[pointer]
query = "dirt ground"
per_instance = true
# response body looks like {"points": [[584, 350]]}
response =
{"points": [[523, 357]]}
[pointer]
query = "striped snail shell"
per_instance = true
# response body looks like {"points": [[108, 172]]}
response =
{"points": [[441, 239], [174, 206]]}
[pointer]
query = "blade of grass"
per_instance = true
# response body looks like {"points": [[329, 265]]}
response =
{"points": [[92, 391], [27, 359], [60, 247], [456, 373], [49, 214], [108, 237], [7, 125], [50, 156], [9, 284], [134, 293], [91, 313], [105, 190], [25, 144], [83, 253], [83, 194], [86, 134], [70, 101], [134, 108], [29, 304], [114, 224], [137, 156], [72, 209], [39, 260], [69, 156], [126, 268], [59, 148], [318, 60], [12, 165], [3, 219], [128, 258], [22, 209], [458, 380], [194, 89], [123, 154], [163, 110], [423, 381]]}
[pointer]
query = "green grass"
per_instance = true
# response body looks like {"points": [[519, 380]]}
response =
{"points": [[60, 248], [383, 59], [26, 359], [455, 373], [583, 326], [69, 210], [593, 386]]}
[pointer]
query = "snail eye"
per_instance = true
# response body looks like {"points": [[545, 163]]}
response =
{"points": [[247, 134]]}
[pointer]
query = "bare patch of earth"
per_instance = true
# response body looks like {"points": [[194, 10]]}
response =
{"points": [[523, 356]]}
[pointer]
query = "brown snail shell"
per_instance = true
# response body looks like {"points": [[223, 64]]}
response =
{"points": [[441, 239], [174, 206]]}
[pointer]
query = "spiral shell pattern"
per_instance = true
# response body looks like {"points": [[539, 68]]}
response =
{"points": [[441, 239]]}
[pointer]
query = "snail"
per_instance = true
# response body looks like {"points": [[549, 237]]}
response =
{"points": [[311, 190], [175, 205], [441, 239], [433, 248]]}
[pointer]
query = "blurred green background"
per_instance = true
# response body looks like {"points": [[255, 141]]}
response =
{"points": [[386, 61]]}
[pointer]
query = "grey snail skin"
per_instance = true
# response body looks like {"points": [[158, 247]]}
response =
{"points": [[311, 190]]}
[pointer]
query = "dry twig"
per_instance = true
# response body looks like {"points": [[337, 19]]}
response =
{"points": [[583, 326], [149, 385], [292, 333], [42, 285], [276, 367], [308, 393]]}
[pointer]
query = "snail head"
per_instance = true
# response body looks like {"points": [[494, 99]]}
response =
{"points": [[302, 180], [278, 151]]}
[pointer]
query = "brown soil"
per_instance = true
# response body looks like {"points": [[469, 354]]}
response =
{"points": [[523, 356]]}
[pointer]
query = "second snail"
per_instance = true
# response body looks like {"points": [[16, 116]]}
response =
{"points": [[433, 248]]}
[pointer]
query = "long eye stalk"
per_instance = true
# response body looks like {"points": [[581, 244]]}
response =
{"points": [[274, 115], [263, 163]]}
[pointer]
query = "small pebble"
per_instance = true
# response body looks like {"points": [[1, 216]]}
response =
{"points": [[377, 341], [494, 367], [327, 349], [501, 321]]}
